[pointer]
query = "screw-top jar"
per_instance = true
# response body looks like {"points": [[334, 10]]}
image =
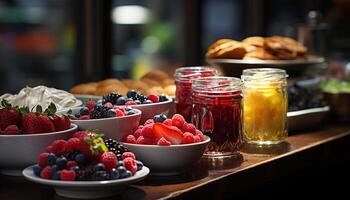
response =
{"points": [[217, 113], [265, 105], [183, 80]]}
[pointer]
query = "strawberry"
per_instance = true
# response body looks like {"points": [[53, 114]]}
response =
{"points": [[9, 115], [61, 122], [92, 145], [171, 133], [109, 159], [11, 130], [37, 123]]}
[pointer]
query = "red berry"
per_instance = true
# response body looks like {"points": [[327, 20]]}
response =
{"points": [[140, 140], [163, 142], [147, 131], [198, 132], [42, 159], [191, 128], [137, 133], [171, 133], [178, 120], [149, 121], [67, 175], [201, 136], [108, 105], [109, 159], [90, 105], [78, 134], [61, 122], [11, 130], [153, 97], [128, 155], [168, 122], [119, 112], [130, 164], [188, 138], [197, 138], [129, 103], [49, 149], [71, 163], [59, 147], [84, 117], [9, 116], [140, 127], [72, 144], [130, 139], [46, 173]]}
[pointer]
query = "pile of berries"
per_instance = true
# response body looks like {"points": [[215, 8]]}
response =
{"points": [[86, 157], [164, 132], [98, 110], [133, 98], [16, 120]]}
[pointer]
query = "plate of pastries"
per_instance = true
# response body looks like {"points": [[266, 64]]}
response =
{"points": [[261, 51], [155, 81]]}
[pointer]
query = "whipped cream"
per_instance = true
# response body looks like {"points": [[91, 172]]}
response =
{"points": [[42, 95]]}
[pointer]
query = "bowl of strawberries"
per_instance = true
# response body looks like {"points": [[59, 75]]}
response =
{"points": [[26, 133], [111, 120], [178, 143]]}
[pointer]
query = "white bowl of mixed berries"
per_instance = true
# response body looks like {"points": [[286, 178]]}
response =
{"points": [[86, 166], [167, 146], [26, 133], [149, 105], [112, 120]]}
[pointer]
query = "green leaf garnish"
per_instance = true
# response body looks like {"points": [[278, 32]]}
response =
{"points": [[39, 109]]}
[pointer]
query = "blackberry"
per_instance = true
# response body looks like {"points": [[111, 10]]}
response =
{"points": [[162, 98], [71, 155], [115, 147], [112, 98], [99, 112]]}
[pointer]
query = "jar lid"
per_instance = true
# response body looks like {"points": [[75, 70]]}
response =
{"points": [[217, 84], [264, 74], [187, 73]]}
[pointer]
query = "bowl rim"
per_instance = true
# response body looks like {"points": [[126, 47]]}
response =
{"points": [[152, 104], [72, 128], [207, 140], [139, 112]]}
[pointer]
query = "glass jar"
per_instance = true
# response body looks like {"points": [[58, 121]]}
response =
{"points": [[217, 113], [265, 105], [183, 81]]}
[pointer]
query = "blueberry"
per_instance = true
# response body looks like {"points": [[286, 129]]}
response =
{"points": [[61, 162], [127, 108], [99, 102], [56, 175], [131, 93], [75, 168], [159, 118], [121, 170], [139, 165], [77, 115], [100, 176], [114, 174], [131, 112], [162, 98], [37, 170], [54, 168], [128, 174], [111, 113], [84, 111], [99, 167], [51, 159], [120, 163], [147, 101], [80, 159], [137, 101], [121, 101]]}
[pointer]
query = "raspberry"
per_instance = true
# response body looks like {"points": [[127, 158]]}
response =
{"points": [[48, 149], [108, 105], [154, 98], [201, 136], [67, 175], [119, 112], [188, 138], [149, 121], [130, 139], [42, 159], [130, 164], [58, 147], [168, 122], [178, 120], [84, 117], [46, 173], [197, 138], [72, 144], [163, 142], [147, 131], [71, 163], [109, 159], [140, 127], [90, 105], [198, 132], [128, 155], [140, 140], [190, 128], [11, 130], [78, 134], [129, 103], [137, 133]]}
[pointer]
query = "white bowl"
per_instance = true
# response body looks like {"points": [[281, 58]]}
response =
{"points": [[19, 151], [113, 127], [87, 189], [169, 160], [149, 110]]}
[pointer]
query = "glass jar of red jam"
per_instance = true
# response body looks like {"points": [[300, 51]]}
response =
{"points": [[183, 80], [217, 113]]}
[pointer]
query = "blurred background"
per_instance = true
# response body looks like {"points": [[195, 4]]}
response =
{"points": [[60, 43]]}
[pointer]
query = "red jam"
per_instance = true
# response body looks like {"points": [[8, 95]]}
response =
{"points": [[183, 80]]}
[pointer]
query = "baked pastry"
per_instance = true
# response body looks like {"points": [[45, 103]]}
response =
{"points": [[285, 48], [137, 85], [156, 75], [259, 54], [109, 81], [228, 49], [84, 88], [254, 41], [106, 89]]}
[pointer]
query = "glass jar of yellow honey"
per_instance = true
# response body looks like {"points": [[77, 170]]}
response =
{"points": [[265, 105]]}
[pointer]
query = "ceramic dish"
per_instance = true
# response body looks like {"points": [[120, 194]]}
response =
{"points": [[306, 119]]}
